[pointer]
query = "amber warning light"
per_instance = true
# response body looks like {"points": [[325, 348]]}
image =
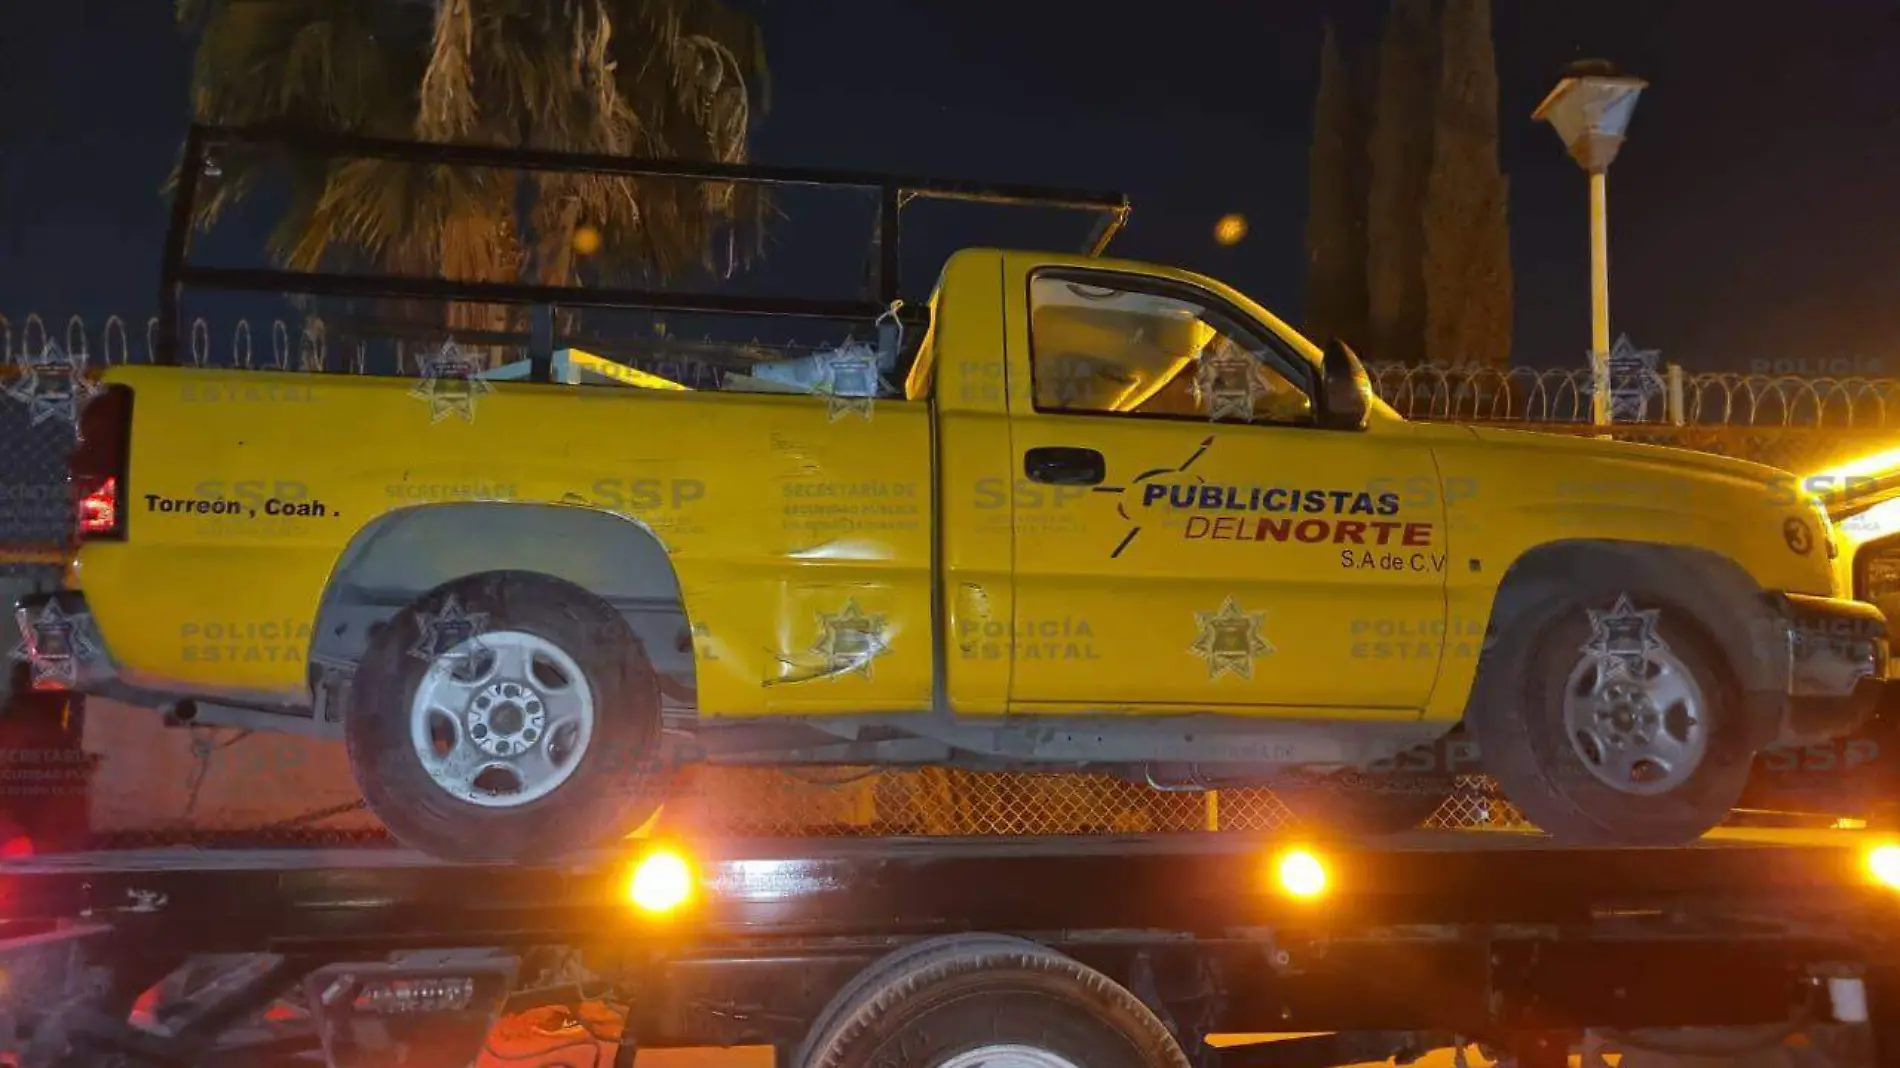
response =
{"points": [[661, 882], [1883, 863], [1301, 874]]}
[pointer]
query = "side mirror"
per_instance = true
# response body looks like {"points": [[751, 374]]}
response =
{"points": [[1345, 389]]}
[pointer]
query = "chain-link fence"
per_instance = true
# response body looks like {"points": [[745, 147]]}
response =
{"points": [[117, 777], [227, 787]]}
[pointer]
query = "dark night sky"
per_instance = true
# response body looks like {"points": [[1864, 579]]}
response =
{"points": [[1754, 213]]}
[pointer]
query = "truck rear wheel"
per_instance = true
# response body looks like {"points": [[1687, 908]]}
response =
{"points": [[1610, 718], [506, 716], [969, 1000]]}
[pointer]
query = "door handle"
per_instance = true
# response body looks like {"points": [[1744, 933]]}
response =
{"points": [[1063, 465]]}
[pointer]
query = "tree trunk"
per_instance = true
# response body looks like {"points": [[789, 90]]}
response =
{"points": [[1467, 238], [1401, 152], [1336, 206]]}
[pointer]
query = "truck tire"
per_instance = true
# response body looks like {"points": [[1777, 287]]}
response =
{"points": [[965, 1000], [506, 716], [1609, 717]]}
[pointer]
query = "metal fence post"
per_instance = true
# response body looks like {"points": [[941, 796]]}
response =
{"points": [[1676, 416]]}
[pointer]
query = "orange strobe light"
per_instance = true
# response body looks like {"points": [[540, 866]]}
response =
{"points": [[662, 881], [1300, 873], [1883, 861]]}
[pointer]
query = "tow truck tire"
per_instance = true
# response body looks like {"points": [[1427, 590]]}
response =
{"points": [[1522, 726], [964, 999], [616, 781]]}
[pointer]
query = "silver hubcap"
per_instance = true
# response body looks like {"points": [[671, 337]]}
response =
{"points": [[502, 719], [1639, 727], [1007, 1056]]}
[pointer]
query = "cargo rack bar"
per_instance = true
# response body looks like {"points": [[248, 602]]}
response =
{"points": [[202, 144]]}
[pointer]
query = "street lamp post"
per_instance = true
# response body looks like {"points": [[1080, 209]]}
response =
{"points": [[1590, 109]]}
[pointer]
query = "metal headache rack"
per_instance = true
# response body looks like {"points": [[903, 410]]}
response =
{"points": [[203, 144]]}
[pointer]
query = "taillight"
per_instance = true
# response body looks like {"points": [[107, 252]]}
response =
{"points": [[98, 466], [99, 510]]}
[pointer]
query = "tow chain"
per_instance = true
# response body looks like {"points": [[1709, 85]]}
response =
{"points": [[317, 815], [201, 750]]}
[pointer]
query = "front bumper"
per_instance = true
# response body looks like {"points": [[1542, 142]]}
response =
{"points": [[1829, 644], [1836, 661]]}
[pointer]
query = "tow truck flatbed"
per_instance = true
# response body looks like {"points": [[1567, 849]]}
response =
{"points": [[894, 886], [1501, 936]]}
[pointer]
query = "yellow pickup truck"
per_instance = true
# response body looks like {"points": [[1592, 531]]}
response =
{"points": [[1096, 515]]}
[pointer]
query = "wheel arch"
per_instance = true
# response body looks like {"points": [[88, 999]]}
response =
{"points": [[1720, 597], [405, 553]]}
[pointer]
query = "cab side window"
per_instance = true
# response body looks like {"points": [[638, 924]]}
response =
{"points": [[1108, 344]]}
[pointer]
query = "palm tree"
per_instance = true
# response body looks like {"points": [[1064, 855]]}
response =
{"points": [[662, 78]]}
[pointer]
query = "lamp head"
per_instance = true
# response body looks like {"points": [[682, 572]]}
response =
{"points": [[1590, 109]]}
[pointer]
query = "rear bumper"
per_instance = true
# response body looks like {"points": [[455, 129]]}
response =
{"points": [[64, 650]]}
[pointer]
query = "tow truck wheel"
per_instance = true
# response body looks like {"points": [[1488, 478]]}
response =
{"points": [[1610, 718], [506, 716], [969, 1000]]}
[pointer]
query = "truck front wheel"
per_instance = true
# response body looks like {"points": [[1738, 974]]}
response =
{"points": [[506, 716], [1609, 718]]}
